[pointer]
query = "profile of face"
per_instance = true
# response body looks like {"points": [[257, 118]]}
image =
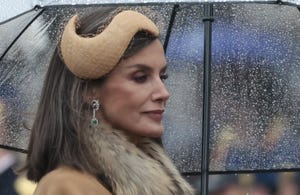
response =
{"points": [[133, 97]]}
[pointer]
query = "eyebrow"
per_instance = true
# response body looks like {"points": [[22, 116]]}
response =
{"points": [[145, 67]]}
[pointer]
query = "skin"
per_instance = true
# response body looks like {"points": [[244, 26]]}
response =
{"points": [[133, 98]]}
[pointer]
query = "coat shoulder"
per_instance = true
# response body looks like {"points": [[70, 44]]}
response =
{"points": [[68, 181]]}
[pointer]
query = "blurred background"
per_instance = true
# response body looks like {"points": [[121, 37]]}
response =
{"points": [[254, 128]]}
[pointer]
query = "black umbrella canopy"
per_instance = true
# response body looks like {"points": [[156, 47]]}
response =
{"points": [[255, 94], [11, 9]]}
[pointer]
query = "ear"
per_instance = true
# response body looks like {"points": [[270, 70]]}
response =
{"points": [[90, 95]]}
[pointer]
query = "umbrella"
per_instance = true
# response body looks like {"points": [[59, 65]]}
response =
{"points": [[241, 114], [10, 9]]}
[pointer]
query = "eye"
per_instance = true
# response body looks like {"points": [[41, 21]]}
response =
{"points": [[140, 79], [164, 77]]}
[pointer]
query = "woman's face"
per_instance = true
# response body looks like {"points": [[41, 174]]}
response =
{"points": [[133, 97]]}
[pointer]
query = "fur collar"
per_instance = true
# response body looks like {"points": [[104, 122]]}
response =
{"points": [[134, 169]]}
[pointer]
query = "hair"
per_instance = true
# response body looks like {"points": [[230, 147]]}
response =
{"points": [[56, 132]]}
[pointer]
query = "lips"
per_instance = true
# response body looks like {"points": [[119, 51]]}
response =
{"points": [[155, 114]]}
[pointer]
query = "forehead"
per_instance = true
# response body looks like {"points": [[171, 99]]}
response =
{"points": [[152, 55]]}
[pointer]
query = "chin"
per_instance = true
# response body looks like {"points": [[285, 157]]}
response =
{"points": [[145, 130], [155, 133]]}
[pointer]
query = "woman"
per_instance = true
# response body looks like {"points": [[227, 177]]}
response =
{"points": [[101, 111]]}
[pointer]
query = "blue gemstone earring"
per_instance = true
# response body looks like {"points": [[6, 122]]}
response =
{"points": [[95, 105]]}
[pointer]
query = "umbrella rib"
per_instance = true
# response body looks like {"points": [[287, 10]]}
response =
{"points": [[19, 35], [13, 148], [171, 23]]}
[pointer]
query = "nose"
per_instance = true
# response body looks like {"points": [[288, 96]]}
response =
{"points": [[160, 93]]}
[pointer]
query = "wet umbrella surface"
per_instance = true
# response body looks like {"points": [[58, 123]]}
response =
{"points": [[254, 121]]}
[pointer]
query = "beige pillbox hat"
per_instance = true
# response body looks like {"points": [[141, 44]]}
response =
{"points": [[93, 57]]}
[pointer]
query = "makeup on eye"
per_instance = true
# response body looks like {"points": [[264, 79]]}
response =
{"points": [[140, 78], [142, 72], [164, 76]]}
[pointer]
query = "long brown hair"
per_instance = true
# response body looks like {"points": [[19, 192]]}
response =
{"points": [[56, 131]]}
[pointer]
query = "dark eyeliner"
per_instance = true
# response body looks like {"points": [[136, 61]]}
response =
{"points": [[164, 76]]}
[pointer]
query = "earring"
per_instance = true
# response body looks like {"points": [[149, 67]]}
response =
{"points": [[95, 105]]}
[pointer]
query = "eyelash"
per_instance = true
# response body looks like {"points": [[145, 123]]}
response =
{"points": [[140, 79], [143, 78], [164, 77]]}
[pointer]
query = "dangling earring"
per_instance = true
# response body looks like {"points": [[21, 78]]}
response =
{"points": [[95, 105]]}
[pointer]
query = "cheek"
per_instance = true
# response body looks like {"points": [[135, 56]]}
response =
{"points": [[126, 99], [126, 108], [122, 106], [123, 103], [124, 116]]}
